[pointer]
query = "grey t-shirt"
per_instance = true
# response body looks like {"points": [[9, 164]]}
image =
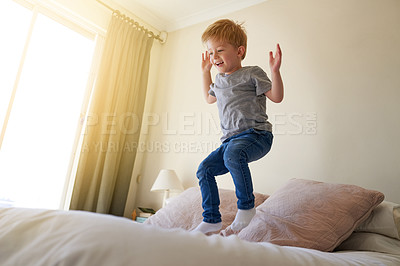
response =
{"points": [[241, 100]]}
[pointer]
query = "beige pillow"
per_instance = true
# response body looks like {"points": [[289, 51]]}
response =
{"points": [[384, 220], [362, 241], [311, 214], [185, 211]]}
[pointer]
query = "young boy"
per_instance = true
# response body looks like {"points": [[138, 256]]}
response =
{"points": [[240, 93]]}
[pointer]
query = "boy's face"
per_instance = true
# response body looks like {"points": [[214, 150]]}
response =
{"points": [[224, 56]]}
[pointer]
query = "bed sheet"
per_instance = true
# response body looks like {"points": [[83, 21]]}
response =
{"points": [[52, 237]]}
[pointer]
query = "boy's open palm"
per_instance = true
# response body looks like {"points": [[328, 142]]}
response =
{"points": [[275, 62], [205, 62]]}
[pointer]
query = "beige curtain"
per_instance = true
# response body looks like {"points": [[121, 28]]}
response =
{"points": [[112, 132]]}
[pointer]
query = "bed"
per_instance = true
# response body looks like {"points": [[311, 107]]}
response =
{"points": [[370, 237]]}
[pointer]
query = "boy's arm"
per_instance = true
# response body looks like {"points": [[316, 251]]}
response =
{"points": [[275, 94], [206, 68]]}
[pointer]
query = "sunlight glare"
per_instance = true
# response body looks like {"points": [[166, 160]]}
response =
{"points": [[38, 142]]}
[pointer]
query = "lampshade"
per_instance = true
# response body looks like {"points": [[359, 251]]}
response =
{"points": [[167, 180]]}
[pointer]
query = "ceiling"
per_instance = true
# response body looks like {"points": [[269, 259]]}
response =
{"points": [[171, 15]]}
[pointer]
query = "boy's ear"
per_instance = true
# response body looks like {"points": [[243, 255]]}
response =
{"points": [[241, 51]]}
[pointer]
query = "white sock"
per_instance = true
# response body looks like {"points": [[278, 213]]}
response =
{"points": [[208, 227], [242, 219]]}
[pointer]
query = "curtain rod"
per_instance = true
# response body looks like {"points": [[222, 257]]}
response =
{"points": [[157, 37]]}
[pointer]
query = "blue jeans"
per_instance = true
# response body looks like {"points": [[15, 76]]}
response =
{"points": [[232, 156]]}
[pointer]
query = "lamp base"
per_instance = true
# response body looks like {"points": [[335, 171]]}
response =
{"points": [[166, 196]]}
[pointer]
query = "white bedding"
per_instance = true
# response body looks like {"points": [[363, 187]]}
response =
{"points": [[49, 237]]}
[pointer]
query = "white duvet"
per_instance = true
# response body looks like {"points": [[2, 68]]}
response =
{"points": [[49, 237]]}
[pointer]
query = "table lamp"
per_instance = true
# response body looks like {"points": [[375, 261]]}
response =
{"points": [[167, 181]]}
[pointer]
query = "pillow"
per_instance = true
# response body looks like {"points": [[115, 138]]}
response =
{"points": [[384, 220], [185, 211], [370, 242], [311, 214]]}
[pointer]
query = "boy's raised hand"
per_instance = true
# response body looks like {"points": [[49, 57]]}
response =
{"points": [[205, 62], [275, 62]]}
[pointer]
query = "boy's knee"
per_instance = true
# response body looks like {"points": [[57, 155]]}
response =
{"points": [[201, 171]]}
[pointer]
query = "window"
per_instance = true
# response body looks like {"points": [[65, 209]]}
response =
{"points": [[46, 66], [11, 48]]}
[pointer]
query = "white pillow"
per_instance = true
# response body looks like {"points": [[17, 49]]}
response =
{"points": [[384, 220], [184, 211], [370, 242]]}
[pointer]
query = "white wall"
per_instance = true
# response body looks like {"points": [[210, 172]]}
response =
{"points": [[339, 121]]}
